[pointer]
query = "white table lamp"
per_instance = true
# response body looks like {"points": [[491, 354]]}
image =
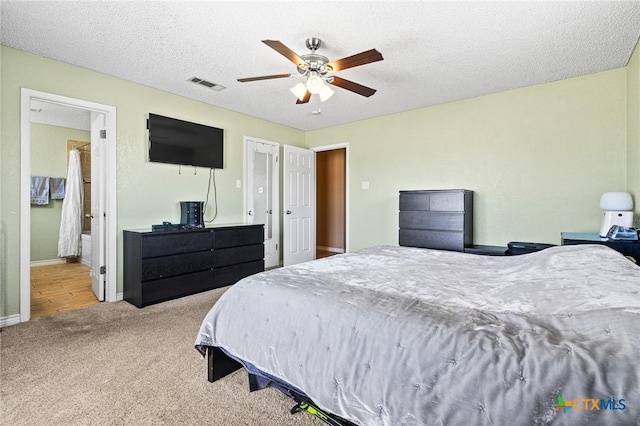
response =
{"points": [[618, 210]]}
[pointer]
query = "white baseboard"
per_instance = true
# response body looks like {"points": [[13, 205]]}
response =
{"points": [[10, 320], [331, 249], [56, 261], [15, 319]]}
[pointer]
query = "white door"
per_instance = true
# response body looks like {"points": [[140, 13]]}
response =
{"points": [[299, 218], [98, 204], [262, 189]]}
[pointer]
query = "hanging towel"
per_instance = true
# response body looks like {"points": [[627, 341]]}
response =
{"points": [[69, 240], [39, 190], [57, 188]]}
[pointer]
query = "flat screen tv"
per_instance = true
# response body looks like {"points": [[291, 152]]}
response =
{"points": [[181, 142]]}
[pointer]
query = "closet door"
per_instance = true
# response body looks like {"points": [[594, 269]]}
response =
{"points": [[262, 197]]}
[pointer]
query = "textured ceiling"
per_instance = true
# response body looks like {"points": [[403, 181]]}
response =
{"points": [[60, 115], [434, 52]]}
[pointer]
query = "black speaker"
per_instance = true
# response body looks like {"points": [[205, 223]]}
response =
{"points": [[192, 214]]}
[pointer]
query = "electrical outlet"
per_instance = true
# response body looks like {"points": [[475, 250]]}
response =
{"points": [[365, 185]]}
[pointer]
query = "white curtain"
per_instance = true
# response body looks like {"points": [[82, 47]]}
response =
{"points": [[69, 241]]}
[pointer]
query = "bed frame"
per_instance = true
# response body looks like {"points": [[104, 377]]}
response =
{"points": [[219, 365]]}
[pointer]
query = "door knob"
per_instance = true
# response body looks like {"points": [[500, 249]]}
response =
{"points": [[288, 211], [250, 212]]}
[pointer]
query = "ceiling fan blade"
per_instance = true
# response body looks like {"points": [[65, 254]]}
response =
{"points": [[284, 51], [264, 77], [354, 87], [356, 60], [306, 98]]}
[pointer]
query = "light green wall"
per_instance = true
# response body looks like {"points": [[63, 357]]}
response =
{"points": [[633, 130], [49, 158], [147, 193], [538, 159]]}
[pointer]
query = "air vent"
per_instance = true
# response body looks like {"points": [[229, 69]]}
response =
{"points": [[206, 83]]}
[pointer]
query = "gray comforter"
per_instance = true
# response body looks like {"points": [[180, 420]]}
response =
{"points": [[401, 336]]}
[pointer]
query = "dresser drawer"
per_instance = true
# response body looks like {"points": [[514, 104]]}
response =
{"points": [[414, 201], [432, 220], [447, 202], [232, 237], [443, 240], [167, 266], [442, 201], [232, 274], [233, 255], [173, 287], [154, 245]]}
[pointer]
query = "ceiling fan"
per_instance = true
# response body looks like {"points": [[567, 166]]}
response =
{"points": [[319, 71]]}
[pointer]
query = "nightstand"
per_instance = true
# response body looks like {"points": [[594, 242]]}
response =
{"points": [[628, 248], [485, 250]]}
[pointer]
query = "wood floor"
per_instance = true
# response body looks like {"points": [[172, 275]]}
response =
{"points": [[60, 288], [323, 253]]}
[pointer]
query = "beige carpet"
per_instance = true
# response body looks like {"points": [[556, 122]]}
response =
{"points": [[115, 364]]}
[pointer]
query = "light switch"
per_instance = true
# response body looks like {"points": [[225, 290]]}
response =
{"points": [[365, 185], [238, 183]]}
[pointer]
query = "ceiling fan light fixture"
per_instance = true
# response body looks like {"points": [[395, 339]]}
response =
{"points": [[315, 84], [316, 69], [299, 90], [325, 93]]}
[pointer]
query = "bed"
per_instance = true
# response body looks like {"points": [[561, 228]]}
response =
{"points": [[406, 336]]}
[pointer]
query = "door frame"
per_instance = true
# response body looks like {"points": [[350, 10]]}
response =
{"points": [[26, 96], [332, 147]]}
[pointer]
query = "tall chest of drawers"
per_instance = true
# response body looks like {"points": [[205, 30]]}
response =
{"points": [[160, 266], [436, 219]]}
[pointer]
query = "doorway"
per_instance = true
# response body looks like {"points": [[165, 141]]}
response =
{"points": [[60, 282], [330, 202], [331, 199], [299, 203], [102, 124]]}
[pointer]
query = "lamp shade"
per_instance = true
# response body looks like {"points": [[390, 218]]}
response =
{"points": [[325, 93], [616, 201], [299, 90], [314, 83]]}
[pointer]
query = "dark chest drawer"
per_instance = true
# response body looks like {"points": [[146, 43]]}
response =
{"points": [[168, 244], [233, 237], [453, 201], [173, 287], [441, 240], [177, 264], [441, 221], [232, 255]]}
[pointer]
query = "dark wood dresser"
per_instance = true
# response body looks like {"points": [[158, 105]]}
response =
{"points": [[436, 219], [164, 265]]}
